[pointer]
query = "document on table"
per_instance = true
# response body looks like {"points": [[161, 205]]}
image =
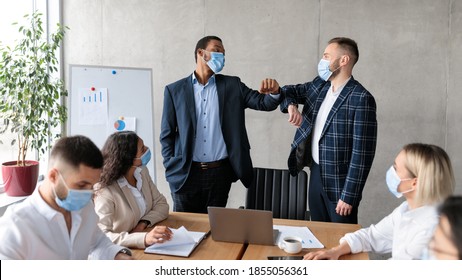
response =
{"points": [[308, 238], [182, 243]]}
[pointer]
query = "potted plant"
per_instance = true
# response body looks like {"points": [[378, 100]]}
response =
{"points": [[30, 100]]}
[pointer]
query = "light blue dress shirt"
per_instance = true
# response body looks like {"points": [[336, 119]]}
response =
{"points": [[210, 144]]}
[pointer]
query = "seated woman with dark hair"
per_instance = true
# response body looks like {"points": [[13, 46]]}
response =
{"points": [[127, 201]]}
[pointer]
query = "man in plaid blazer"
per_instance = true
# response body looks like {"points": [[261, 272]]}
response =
{"points": [[336, 133]]}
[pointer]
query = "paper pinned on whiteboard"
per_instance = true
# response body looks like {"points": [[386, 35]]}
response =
{"points": [[124, 124], [92, 106]]}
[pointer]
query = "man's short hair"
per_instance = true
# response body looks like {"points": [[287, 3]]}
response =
{"points": [[76, 150], [348, 45], [202, 43]]}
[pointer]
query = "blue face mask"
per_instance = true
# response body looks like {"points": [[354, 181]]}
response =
{"points": [[75, 199], [323, 69], [216, 62], [146, 157], [393, 182]]}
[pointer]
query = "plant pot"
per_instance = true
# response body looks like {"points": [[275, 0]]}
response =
{"points": [[20, 180]]}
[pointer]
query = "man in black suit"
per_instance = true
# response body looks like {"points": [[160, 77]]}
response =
{"points": [[203, 136]]}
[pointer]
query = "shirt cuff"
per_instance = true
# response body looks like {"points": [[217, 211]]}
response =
{"points": [[275, 96], [353, 247]]}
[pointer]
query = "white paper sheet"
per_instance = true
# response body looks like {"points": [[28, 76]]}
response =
{"points": [[182, 243], [309, 240], [93, 106], [123, 124]]}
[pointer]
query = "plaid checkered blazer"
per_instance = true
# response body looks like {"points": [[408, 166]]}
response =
{"points": [[348, 140]]}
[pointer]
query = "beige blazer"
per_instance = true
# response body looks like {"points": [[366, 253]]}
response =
{"points": [[117, 210]]}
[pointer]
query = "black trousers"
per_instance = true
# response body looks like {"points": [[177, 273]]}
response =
{"points": [[321, 208], [203, 188]]}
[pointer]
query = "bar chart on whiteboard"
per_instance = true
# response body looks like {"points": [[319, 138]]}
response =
{"points": [[92, 106]]}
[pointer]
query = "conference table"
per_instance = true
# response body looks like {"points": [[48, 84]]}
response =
{"points": [[208, 249]]}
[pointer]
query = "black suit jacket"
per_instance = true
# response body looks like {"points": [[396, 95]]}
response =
{"points": [[178, 127]]}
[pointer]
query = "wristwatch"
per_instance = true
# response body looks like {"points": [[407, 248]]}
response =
{"points": [[126, 251]]}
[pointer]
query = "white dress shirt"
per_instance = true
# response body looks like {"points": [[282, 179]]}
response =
{"points": [[405, 233], [135, 190], [33, 230], [321, 118]]}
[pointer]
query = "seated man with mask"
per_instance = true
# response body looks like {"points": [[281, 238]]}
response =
{"points": [[58, 220]]}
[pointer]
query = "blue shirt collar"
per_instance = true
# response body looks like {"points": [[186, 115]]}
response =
{"points": [[210, 81]]}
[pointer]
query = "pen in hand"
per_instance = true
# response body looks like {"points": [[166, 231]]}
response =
{"points": [[158, 234]]}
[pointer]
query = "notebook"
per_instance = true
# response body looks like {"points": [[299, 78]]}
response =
{"points": [[242, 226], [182, 243]]}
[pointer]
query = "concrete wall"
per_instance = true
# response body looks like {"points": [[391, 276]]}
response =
{"points": [[409, 60]]}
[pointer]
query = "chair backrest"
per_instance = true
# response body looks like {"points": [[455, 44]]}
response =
{"points": [[277, 191]]}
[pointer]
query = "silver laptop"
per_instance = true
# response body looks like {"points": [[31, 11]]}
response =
{"points": [[242, 226]]}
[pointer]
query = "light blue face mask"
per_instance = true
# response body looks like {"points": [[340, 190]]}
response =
{"points": [[146, 157], [75, 199], [323, 69], [216, 61], [393, 182]]}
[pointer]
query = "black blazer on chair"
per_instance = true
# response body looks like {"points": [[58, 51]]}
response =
{"points": [[178, 127]]}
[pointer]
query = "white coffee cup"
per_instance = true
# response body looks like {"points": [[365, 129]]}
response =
{"points": [[291, 244]]}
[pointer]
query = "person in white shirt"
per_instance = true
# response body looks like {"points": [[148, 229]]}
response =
{"points": [[58, 220], [336, 133], [446, 243], [423, 174]]}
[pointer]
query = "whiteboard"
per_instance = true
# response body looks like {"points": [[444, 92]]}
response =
{"points": [[124, 93]]}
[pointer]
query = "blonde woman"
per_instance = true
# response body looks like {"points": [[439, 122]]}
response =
{"points": [[127, 201], [423, 174]]}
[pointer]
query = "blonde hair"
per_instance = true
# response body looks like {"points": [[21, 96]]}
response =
{"points": [[432, 167]]}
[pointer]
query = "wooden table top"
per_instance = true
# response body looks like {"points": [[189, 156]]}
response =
{"points": [[327, 233]]}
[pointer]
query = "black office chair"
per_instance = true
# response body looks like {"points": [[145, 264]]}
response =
{"points": [[277, 191]]}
